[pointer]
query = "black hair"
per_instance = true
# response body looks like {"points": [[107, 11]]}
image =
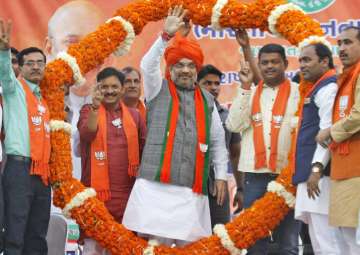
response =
{"points": [[296, 78], [27, 51], [322, 52], [353, 28], [110, 71], [273, 48], [128, 69], [208, 69], [14, 51]]}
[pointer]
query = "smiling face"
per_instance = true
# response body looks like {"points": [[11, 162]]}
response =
{"points": [[349, 47], [272, 67], [184, 73], [311, 67], [112, 90]]}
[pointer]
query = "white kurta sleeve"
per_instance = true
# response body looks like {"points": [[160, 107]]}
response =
{"points": [[151, 70], [239, 118], [219, 154], [325, 99]]}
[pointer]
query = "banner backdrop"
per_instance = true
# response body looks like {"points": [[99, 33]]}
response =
{"points": [[30, 28]]}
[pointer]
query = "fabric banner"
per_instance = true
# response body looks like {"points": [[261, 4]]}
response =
{"points": [[31, 17]]}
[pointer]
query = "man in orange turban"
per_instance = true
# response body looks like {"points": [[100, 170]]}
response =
{"points": [[182, 47], [183, 130]]}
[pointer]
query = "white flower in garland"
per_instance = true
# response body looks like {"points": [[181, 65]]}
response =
{"points": [[277, 12], [226, 241], [78, 200], [124, 47], [71, 61], [280, 190], [150, 248], [314, 39], [216, 14], [57, 125]]}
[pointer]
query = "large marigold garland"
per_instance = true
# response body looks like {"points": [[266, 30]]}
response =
{"points": [[116, 36]]}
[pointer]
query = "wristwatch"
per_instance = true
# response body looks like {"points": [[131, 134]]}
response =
{"points": [[317, 167]]}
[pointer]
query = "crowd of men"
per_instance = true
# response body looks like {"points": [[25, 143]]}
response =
{"points": [[160, 165]]}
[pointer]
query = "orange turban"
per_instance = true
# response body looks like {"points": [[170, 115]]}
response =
{"points": [[184, 48]]}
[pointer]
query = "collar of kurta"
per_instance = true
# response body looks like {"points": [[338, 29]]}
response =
{"points": [[34, 88]]}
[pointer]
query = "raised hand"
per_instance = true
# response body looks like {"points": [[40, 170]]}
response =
{"points": [[97, 97], [246, 75], [5, 31], [186, 28], [242, 38], [174, 20]]}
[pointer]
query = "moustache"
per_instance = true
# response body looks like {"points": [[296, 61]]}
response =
{"points": [[270, 71], [110, 94]]}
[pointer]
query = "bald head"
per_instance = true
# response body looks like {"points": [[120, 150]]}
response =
{"points": [[70, 23]]}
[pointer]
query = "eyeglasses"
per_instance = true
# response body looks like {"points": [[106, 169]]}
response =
{"points": [[39, 63]]}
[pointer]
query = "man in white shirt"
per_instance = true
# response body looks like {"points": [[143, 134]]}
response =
{"points": [[312, 166], [169, 200], [263, 116]]}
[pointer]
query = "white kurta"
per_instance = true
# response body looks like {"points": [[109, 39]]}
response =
{"points": [[168, 210], [240, 118], [324, 100]]}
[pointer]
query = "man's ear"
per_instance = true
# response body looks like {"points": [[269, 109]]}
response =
{"points": [[325, 62], [286, 63], [47, 46]]}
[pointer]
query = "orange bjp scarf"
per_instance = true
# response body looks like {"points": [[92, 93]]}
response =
{"points": [[182, 47], [142, 110], [39, 132], [203, 140], [99, 155], [278, 113], [344, 101]]}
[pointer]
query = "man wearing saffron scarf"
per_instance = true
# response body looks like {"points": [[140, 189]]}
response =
{"points": [[263, 115], [312, 167], [345, 134], [169, 200], [132, 90], [111, 137], [27, 145]]}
